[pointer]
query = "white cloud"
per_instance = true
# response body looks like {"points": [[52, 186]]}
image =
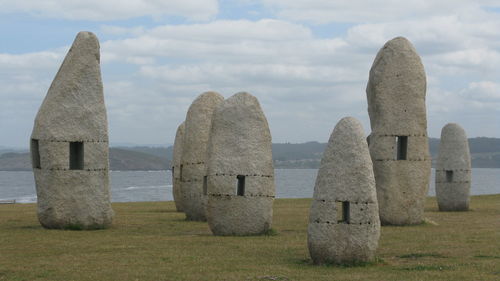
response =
{"points": [[357, 11], [151, 75], [98, 10]]}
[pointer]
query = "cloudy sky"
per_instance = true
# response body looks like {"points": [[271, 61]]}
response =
{"points": [[306, 60]]}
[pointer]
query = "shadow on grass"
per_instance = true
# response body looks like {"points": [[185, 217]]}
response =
{"points": [[30, 227], [487, 257], [425, 268], [421, 255], [308, 262]]}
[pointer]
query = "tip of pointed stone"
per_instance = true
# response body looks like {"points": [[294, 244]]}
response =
{"points": [[87, 37], [86, 42]]}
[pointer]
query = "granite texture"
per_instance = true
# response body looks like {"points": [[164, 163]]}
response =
{"points": [[176, 163], [194, 151], [240, 145], [396, 105], [344, 177], [453, 170], [73, 111]]}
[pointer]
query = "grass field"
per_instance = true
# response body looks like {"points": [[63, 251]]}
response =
{"points": [[150, 241]]}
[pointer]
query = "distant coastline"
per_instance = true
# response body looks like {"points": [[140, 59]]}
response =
{"points": [[485, 153]]}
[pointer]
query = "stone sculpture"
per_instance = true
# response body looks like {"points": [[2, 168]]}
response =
{"points": [[398, 142], [344, 224], [453, 170], [240, 173], [176, 163], [69, 144], [194, 149]]}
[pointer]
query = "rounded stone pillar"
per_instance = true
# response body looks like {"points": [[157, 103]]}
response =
{"points": [[176, 163], [240, 174], [453, 170], [194, 153], [399, 145]]}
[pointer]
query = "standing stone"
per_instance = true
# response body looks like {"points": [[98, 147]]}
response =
{"points": [[398, 143], [344, 224], [69, 144], [194, 150], [453, 170], [240, 173], [176, 163]]}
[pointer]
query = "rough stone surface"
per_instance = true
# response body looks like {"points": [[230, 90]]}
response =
{"points": [[345, 175], [240, 144], [176, 163], [73, 111], [453, 170], [194, 150], [396, 105]]}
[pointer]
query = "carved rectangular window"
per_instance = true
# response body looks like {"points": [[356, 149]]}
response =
{"points": [[449, 176], [240, 188], [76, 155], [343, 209], [205, 185], [401, 147], [35, 154]]}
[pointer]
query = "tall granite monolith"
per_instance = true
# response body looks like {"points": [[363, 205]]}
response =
{"points": [[344, 224], [194, 151], [398, 142], [69, 144], [240, 174], [453, 170], [176, 163]]}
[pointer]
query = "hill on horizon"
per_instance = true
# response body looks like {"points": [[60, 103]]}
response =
{"points": [[485, 153]]}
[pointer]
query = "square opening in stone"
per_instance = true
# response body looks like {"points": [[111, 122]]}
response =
{"points": [[343, 209], [76, 155], [35, 154], [401, 147], [449, 176], [240, 187], [205, 185]]}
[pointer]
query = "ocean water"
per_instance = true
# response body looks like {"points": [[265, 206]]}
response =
{"points": [[128, 186]]}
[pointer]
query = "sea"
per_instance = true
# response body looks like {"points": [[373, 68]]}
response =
{"points": [[135, 186]]}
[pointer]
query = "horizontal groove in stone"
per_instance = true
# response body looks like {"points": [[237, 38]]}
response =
{"points": [[333, 222], [411, 160], [87, 170], [246, 175], [68, 141], [192, 163], [398, 135], [334, 201], [462, 170], [452, 181], [233, 195]]}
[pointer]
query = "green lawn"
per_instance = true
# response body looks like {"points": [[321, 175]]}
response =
{"points": [[150, 241]]}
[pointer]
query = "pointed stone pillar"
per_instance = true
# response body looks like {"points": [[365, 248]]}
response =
{"points": [[69, 144], [344, 225]]}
